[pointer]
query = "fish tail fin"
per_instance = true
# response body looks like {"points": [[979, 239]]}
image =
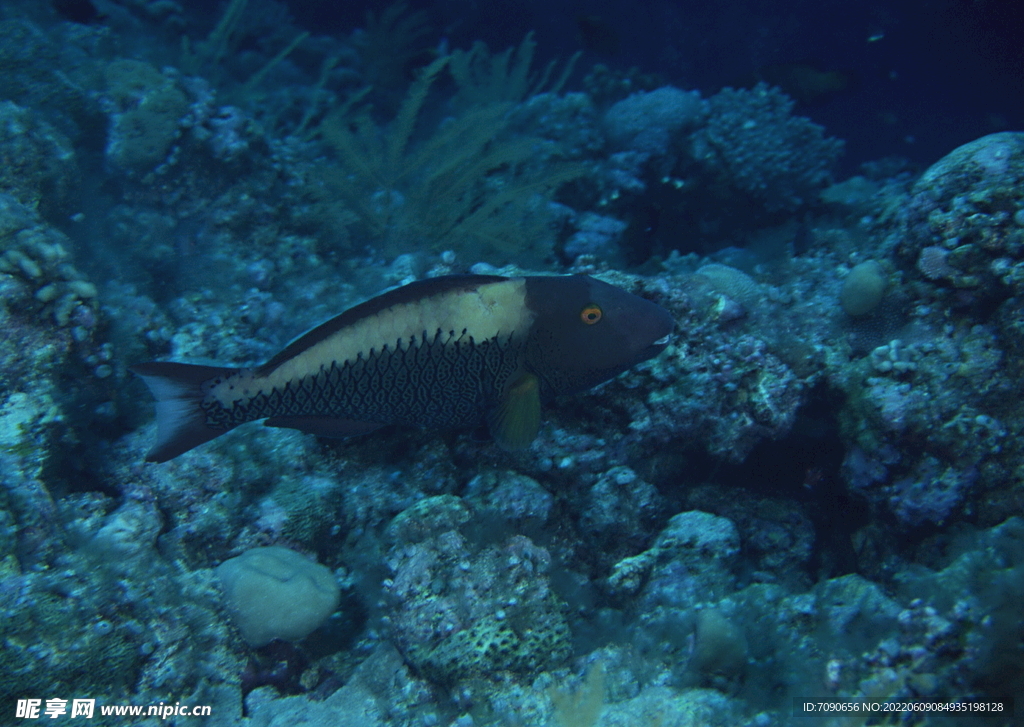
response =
{"points": [[180, 420]]}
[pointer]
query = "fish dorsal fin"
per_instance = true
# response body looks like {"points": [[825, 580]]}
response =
{"points": [[516, 420]]}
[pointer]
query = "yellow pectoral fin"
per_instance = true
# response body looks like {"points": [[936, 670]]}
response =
{"points": [[516, 421]]}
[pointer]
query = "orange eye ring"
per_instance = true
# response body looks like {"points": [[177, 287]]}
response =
{"points": [[591, 314]]}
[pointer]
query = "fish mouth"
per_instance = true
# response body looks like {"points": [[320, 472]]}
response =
{"points": [[656, 347]]}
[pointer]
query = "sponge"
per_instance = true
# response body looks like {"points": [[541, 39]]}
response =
{"points": [[275, 593]]}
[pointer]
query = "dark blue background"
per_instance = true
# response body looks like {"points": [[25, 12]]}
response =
{"points": [[944, 72]]}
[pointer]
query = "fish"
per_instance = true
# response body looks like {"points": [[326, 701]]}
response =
{"points": [[441, 353]]}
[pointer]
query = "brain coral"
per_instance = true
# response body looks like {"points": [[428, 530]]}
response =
{"points": [[276, 593], [863, 288]]}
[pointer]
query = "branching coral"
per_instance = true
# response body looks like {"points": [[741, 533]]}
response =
{"points": [[484, 78], [471, 186]]}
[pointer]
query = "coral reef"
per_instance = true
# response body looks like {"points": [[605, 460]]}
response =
{"points": [[458, 611], [146, 112], [754, 144], [472, 185], [963, 219], [38, 162], [812, 494], [646, 122]]}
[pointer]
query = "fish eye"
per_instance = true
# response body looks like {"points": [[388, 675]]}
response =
{"points": [[591, 314]]}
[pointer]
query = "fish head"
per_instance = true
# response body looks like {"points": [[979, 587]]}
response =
{"points": [[586, 331]]}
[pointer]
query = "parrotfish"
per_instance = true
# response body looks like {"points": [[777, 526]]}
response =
{"points": [[447, 352]]}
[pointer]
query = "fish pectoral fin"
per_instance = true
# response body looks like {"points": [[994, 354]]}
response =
{"points": [[323, 426], [516, 420]]}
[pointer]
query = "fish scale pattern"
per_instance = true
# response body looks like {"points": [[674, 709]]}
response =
{"points": [[438, 381]]}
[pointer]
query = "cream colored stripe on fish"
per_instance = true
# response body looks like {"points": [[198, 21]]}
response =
{"points": [[485, 312]]}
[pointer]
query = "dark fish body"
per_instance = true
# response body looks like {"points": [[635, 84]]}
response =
{"points": [[440, 353]]}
